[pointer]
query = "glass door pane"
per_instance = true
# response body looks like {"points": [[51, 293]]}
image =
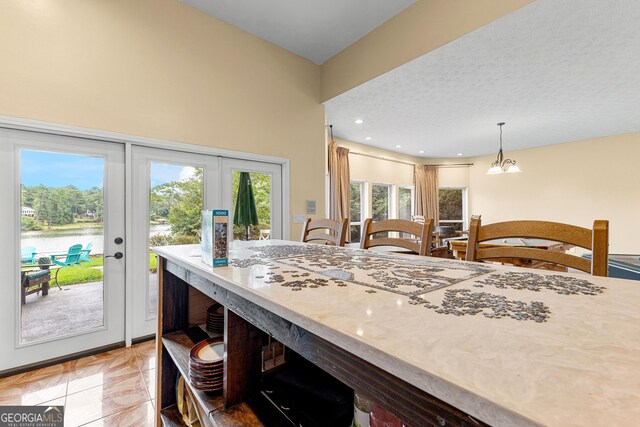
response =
{"points": [[260, 185], [169, 190], [266, 187], [176, 200], [61, 241]]}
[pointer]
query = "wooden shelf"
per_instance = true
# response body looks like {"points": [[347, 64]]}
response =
{"points": [[178, 345], [171, 417]]}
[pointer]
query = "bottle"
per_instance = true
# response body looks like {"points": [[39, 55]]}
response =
{"points": [[361, 409], [380, 417]]}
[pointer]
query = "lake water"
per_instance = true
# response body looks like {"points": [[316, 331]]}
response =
{"points": [[59, 241]]}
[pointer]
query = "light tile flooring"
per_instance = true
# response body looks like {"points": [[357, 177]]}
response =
{"points": [[116, 388]]}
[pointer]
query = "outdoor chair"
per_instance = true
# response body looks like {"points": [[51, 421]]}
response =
{"points": [[72, 257], [28, 255], [84, 256]]}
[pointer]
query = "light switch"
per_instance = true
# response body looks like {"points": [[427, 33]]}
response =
{"points": [[299, 218], [311, 207]]}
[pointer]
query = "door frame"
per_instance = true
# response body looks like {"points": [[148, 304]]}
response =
{"points": [[112, 330], [18, 123]]}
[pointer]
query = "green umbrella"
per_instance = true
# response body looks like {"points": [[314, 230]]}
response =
{"points": [[245, 213]]}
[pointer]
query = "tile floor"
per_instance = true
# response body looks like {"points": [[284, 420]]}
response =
{"points": [[116, 388]]}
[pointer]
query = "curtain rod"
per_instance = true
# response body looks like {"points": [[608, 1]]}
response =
{"points": [[451, 165]]}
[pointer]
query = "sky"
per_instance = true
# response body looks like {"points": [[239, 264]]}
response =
{"points": [[85, 172], [161, 173], [60, 170]]}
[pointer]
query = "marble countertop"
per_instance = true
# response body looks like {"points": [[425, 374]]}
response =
{"points": [[507, 345]]}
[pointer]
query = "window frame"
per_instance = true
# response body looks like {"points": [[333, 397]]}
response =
{"points": [[465, 215]]}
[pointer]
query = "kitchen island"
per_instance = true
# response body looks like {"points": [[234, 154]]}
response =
{"points": [[434, 341]]}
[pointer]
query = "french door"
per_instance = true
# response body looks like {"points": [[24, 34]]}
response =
{"points": [[62, 224], [170, 188]]}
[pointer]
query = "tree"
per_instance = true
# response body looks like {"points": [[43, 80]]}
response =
{"points": [[53, 206], [94, 201], [181, 202], [380, 202], [77, 200]]}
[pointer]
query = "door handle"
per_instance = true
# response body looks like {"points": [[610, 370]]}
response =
{"points": [[117, 255]]}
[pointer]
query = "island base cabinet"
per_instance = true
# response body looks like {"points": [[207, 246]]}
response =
{"points": [[183, 301]]}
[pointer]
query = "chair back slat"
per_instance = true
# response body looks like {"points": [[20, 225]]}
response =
{"points": [[423, 233], [337, 231], [565, 233], [596, 240], [408, 244], [561, 258]]}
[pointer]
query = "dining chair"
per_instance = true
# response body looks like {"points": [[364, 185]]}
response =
{"points": [[421, 243], [596, 240], [316, 231]]}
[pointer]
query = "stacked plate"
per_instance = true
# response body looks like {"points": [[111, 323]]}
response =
{"points": [[215, 319], [206, 365]]}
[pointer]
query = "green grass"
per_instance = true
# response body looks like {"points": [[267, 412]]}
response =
{"points": [[74, 226], [83, 273]]}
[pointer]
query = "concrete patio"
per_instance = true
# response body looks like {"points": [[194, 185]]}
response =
{"points": [[75, 308]]}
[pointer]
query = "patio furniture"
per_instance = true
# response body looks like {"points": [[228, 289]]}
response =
{"points": [[33, 281], [72, 257], [28, 255], [84, 256]]}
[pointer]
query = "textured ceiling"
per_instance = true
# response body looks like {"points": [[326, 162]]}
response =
{"points": [[554, 71], [313, 29]]}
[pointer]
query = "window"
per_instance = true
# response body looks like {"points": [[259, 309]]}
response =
{"points": [[452, 203], [380, 197], [356, 205], [405, 202]]}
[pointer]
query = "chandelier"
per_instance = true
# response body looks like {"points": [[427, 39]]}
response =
{"points": [[500, 165]]}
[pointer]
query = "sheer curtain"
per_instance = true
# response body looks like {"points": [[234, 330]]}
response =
{"points": [[426, 183], [339, 183]]}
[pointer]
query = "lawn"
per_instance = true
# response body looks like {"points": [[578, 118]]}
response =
{"points": [[84, 273]]}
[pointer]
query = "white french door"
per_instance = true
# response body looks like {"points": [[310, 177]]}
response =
{"points": [[62, 224], [170, 188]]}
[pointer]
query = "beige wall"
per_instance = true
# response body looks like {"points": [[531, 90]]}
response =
{"points": [[159, 68], [421, 28], [574, 183]]}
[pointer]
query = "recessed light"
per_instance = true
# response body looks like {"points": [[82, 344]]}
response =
{"points": [[398, 146], [358, 121], [368, 138], [421, 151], [459, 154]]}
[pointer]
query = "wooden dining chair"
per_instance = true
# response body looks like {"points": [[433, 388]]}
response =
{"points": [[316, 231], [595, 240], [421, 244]]}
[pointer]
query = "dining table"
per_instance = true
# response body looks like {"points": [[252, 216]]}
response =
{"points": [[492, 344]]}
